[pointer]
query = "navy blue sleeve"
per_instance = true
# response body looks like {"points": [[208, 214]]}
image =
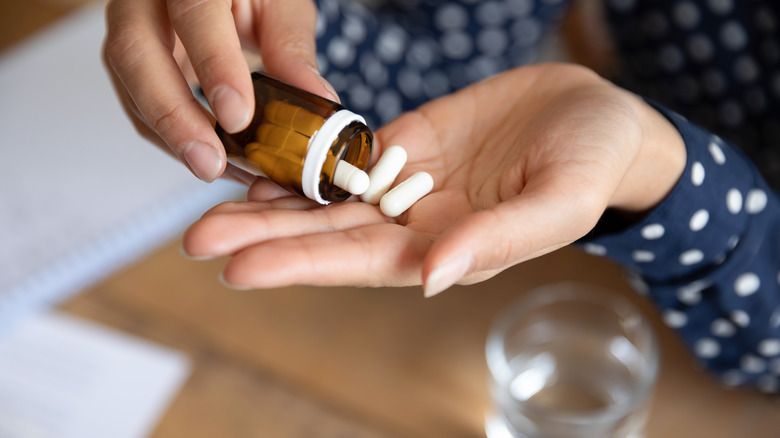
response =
{"points": [[709, 257]]}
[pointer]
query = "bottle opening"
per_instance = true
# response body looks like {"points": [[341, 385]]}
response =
{"points": [[326, 147]]}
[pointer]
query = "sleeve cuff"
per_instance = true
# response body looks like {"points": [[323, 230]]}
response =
{"points": [[699, 224]]}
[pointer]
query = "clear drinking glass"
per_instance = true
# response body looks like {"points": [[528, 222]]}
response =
{"points": [[570, 361]]}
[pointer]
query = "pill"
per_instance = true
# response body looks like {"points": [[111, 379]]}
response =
{"points": [[294, 117], [282, 139], [251, 147], [404, 195], [383, 174], [350, 178]]}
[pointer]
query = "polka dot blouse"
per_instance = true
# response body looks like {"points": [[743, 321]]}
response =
{"points": [[709, 255]]}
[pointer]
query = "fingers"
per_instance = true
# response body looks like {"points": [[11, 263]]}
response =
{"points": [[139, 46], [207, 30], [239, 175], [375, 255], [548, 214], [286, 35], [279, 245], [131, 110], [264, 190], [230, 227], [139, 51]]}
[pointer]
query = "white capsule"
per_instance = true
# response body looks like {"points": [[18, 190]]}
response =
{"points": [[350, 178], [404, 195], [383, 174]]}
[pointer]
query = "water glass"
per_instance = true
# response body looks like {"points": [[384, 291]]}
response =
{"points": [[570, 361]]}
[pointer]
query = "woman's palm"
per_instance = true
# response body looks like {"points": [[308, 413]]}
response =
{"points": [[523, 163]]}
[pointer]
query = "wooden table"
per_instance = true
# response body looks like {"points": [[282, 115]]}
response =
{"points": [[348, 362]]}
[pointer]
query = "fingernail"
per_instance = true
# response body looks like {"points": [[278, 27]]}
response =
{"points": [[240, 176], [447, 274], [232, 111], [187, 255], [327, 85], [203, 160], [225, 283]]}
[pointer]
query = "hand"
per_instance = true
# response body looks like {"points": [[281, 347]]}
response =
{"points": [[523, 164], [151, 44]]}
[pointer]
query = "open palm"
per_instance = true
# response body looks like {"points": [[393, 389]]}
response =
{"points": [[523, 164]]}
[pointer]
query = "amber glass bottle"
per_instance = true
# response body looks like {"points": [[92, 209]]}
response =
{"points": [[298, 139]]}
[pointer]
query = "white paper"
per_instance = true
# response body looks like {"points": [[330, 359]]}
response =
{"points": [[61, 377], [81, 193]]}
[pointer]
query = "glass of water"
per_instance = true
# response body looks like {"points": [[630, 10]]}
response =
{"points": [[570, 361]]}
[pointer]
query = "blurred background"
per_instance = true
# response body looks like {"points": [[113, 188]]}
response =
{"points": [[105, 330]]}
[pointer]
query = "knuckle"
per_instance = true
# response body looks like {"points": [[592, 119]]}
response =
{"points": [[183, 10], [294, 44], [207, 65], [223, 208], [588, 209], [171, 115], [207, 229], [123, 34], [121, 40], [179, 9]]}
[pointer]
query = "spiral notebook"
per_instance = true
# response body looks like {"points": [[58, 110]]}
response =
{"points": [[81, 193]]}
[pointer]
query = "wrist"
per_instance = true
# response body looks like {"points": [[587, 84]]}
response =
{"points": [[656, 168]]}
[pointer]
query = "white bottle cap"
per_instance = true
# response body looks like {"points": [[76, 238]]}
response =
{"points": [[319, 145]]}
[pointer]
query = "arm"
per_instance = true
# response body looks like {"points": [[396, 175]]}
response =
{"points": [[708, 257]]}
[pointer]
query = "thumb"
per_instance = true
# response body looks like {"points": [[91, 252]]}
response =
{"points": [[534, 222]]}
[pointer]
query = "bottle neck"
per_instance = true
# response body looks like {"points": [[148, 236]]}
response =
{"points": [[319, 145]]}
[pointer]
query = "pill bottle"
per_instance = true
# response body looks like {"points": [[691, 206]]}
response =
{"points": [[298, 139]]}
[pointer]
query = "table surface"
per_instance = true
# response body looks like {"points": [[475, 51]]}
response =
{"points": [[351, 362]]}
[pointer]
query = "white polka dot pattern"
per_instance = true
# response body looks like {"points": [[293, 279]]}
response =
{"points": [[595, 249], [740, 318], [722, 328], [734, 201], [769, 347], [643, 256], [733, 36], [747, 284], [699, 220], [675, 318], [774, 319], [691, 293], [721, 7], [686, 14], [756, 201], [717, 153], [697, 174], [701, 229], [653, 231], [706, 348], [424, 50], [691, 257], [753, 364]]}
